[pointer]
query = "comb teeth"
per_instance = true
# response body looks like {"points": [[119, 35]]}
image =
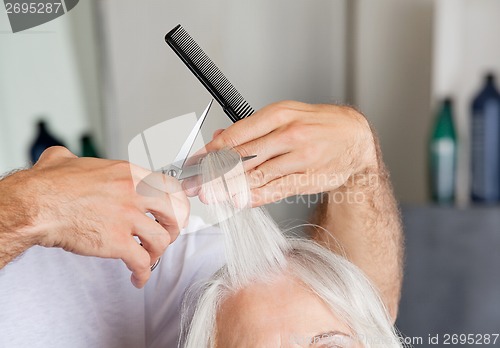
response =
{"points": [[208, 73]]}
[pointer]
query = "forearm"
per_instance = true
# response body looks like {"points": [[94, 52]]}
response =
{"points": [[16, 215], [363, 223]]}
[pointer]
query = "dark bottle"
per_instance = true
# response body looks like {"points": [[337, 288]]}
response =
{"points": [[485, 144], [443, 155], [42, 141], [88, 147]]}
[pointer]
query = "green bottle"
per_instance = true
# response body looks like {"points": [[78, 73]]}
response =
{"points": [[88, 148], [443, 155]]}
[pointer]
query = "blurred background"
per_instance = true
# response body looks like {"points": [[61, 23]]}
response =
{"points": [[103, 72]]}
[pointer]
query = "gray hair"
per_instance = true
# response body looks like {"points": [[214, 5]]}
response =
{"points": [[258, 250]]}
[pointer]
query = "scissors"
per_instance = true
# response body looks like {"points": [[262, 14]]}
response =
{"points": [[178, 169]]}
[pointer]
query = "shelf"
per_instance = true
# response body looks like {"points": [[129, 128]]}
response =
{"points": [[451, 282]]}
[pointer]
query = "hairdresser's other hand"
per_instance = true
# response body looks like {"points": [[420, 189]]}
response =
{"points": [[300, 148], [95, 207]]}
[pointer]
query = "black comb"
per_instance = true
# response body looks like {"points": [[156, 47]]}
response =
{"points": [[206, 71]]}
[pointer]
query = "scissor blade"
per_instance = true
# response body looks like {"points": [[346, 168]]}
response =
{"points": [[194, 170], [181, 157]]}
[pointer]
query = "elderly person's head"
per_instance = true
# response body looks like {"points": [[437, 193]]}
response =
{"points": [[276, 291]]}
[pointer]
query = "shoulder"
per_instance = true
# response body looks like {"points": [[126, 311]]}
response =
{"points": [[191, 260], [197, 252]]}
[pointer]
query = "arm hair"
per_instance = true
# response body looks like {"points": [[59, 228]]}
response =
{"points": [[368, 231], [16, 215]]}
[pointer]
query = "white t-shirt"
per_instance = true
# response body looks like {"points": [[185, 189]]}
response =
{"points": [[52, 298]]}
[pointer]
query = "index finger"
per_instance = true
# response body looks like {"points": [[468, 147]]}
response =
{"points": [[259, 124]]}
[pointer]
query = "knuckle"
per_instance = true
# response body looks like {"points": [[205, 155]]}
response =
{"points": [[121, 242], [281, 112], [258, 176], [164, 240], [243, 151], [53, 153], [296, 133], [122, 166], [308, 153], [143, 261], [286, 110], [303, 155], [138, 262], [217, 133], [225, 140], [155, 253], [127, 210]]}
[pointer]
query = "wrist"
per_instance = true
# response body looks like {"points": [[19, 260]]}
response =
{"points": [[368, 144], [18, 210], [367, 169], [366, 149]]}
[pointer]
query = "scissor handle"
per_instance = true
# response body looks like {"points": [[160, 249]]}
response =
{"points": [[159, 259], [155, 264]]}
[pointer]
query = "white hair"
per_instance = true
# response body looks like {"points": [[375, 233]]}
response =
{"points": [[257, 250]]}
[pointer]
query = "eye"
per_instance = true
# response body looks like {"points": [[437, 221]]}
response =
{"points": [[331, 340], [329, 345]]}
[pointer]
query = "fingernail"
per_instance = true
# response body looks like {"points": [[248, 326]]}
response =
{"points": [[192, 191], [203, 199], [135, 282], [253, 179], [190, 187]]}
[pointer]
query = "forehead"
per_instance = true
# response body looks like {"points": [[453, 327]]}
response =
{"points": [[284, 313]]}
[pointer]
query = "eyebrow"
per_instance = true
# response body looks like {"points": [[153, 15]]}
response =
{"points": [[316, 339]]}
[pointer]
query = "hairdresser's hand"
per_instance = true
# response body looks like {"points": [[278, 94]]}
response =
{"points": [[95, 207], [300, 148]]}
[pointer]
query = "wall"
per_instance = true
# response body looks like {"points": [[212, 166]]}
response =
{"points": [[83, 30], [391, 73], [41, 77]]}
